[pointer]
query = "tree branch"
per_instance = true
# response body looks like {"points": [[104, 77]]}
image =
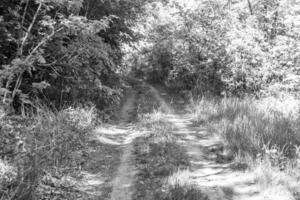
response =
{"points": [[250, 7], [24, 14], [22, 25], [43, 41], [30, 28]]}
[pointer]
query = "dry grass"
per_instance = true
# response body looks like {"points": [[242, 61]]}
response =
{"points": [[180, 186], [157, 156], [46, 144], [155, 122], [162, 162], [180, 177], [275, 183], [247, 125], [264, 131]]}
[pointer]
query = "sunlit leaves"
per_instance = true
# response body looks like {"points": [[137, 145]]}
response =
{"points": [[221, 47], [81, 25], [72, 5]]}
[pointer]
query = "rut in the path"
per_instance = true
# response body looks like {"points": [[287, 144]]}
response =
{"points": [[122, 185], [219, 181]]}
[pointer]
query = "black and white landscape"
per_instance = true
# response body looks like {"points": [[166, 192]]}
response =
{"points": [[149, 100]]}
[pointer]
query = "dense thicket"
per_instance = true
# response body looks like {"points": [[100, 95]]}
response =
{"points": [[234, 47], [62, 52]]}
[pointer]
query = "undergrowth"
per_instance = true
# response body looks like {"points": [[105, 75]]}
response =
{"points": [[247, 125], [40, 152], [266, 130]]}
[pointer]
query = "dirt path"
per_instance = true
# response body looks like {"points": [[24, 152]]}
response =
{"points": [[110, 174], [122, 185], [219, 181]]}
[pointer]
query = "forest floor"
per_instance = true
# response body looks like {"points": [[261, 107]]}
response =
{"points": [[117, 177]]}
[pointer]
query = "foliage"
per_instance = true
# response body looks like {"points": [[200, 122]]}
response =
{"points": [[42, 150], [229, 48], [63, 52]]}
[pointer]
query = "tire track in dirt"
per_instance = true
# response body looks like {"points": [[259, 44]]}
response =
{"points": [[110, 172], [123, 183], [218, 180]]}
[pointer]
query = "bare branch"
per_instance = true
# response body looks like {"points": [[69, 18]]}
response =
{"points": [[25, 12], [250, 7], [30, 28]]}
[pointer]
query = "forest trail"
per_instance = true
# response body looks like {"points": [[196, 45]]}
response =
{"points": [[218, 180], [123, 183], [112, 177]]}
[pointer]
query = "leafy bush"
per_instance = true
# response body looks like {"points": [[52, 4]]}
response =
{"points": [[224, 48], [63, 52]]}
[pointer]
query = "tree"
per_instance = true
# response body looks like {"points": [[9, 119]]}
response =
{"points": [[55, 49]]}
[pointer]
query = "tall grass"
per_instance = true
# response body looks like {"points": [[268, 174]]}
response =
{"points": [[266, 131], [46, 144], [246, 125], [155, 122]]}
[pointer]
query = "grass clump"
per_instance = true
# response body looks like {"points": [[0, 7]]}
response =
{"points": [[179, 186], [155, 122], [179, 192], [157, 156], [214, 109], [275, 182]]}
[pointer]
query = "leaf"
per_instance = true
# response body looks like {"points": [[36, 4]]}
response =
{"points": [[41, 59]]}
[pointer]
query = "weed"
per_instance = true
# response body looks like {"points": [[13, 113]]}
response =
{"points": [[157, 157], [179, 192], [264, 132], [47, 143], [245, 127], [155, 122]]}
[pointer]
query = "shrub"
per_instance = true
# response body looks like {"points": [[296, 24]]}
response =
{"points": [[47, 144]]}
